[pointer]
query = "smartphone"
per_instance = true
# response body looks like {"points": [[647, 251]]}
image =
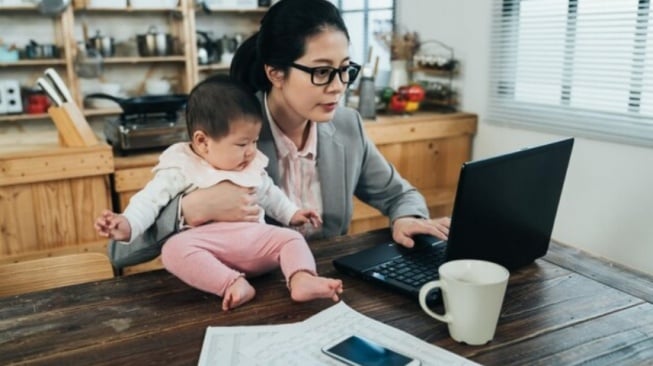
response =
{"points": [[358, 351]]}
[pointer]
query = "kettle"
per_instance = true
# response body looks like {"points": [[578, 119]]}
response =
{"points": [[208, 50], [154, 43], [103, 44]]}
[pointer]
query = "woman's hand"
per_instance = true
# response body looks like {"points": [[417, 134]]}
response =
{"points": [[404, 228], [224, 201]]}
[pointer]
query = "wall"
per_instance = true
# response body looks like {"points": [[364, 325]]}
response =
{"points": [[607, 205]]}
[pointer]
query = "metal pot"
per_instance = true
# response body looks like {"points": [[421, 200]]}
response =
{"points": [[37, 51], [103, 44], [147, 104], [154, 43]]}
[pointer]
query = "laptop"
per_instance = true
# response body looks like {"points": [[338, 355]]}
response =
{"points": [[504, 211]]}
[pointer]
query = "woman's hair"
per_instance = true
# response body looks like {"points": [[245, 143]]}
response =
{"points": [[281, 39], [217, 101]]}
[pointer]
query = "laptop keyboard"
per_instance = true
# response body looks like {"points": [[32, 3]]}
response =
{"points": [[414, 268]]}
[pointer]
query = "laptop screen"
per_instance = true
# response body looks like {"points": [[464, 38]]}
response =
{"points": [[505, 206]]}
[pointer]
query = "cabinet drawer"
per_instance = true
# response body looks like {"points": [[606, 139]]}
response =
{"points": [[131, 179]]}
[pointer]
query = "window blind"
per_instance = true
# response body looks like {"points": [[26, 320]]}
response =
{"points": [[576, 67]]}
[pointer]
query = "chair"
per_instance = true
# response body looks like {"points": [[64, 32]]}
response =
{"points": [[52, 272]]}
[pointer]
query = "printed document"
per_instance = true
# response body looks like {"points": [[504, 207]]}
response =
{"points": [[301, 343]]}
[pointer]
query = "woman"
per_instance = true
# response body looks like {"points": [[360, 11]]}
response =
{"points": [[299, 66]]}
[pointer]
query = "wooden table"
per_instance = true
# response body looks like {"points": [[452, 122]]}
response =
{"points": [[567, 308]]}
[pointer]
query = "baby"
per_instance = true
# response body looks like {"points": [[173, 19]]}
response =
{"points": [[224, 121]]}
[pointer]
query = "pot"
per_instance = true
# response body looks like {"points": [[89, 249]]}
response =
{"points": [[53, 7], [154, 43], [38, 51], [146, 104], [103, 44]]}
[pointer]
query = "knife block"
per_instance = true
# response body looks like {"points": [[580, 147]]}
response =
{"points": [[74, 130]]}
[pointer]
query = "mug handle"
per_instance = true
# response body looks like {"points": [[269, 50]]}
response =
{"points": [[423, 292]]}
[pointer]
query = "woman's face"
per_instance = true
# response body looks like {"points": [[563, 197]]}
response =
{"points": [[302, 100]]}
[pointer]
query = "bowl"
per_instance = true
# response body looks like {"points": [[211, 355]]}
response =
{"points": [[110, 88], [157, 87]]}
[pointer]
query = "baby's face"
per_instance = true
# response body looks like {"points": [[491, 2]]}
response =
{"points": [[236, 150]]}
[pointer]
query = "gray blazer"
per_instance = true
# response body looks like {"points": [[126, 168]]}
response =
{"points": [[348, 163]]}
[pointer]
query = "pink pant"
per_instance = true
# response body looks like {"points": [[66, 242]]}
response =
{"points": [[211, 257]]}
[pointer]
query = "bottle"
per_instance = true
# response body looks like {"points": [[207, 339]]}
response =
{"points": [[367, 95]]}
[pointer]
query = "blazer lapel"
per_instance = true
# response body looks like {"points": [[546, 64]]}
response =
{"points": [[330, 154], [267, 147], [266, 144]]}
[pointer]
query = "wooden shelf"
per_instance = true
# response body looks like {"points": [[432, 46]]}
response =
{"points": [[23, 117], [142, 60], [214, 67], [19, 8], [34, 62], [435, 72], [128, 9], [222, 11], [32, 117], [181, 25], [102, 112]]}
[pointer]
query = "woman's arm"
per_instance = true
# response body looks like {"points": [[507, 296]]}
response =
{"points": [[381, 186], [224, 201]]}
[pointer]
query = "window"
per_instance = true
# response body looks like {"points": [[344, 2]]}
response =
{"points": [[579, 67], [364, 18]]}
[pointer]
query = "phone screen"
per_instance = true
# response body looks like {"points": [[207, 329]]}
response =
{"points": [[360, 351]]}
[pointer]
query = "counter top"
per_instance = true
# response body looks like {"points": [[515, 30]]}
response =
{"points": [[381, 130]]}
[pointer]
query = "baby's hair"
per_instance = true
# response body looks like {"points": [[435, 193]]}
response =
{"points": [[217, 101]]}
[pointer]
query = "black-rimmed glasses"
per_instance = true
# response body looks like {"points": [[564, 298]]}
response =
{"points": [[323, 75]]}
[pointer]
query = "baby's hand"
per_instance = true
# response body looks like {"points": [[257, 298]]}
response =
{"points": [[113, 225], [302, 217]]}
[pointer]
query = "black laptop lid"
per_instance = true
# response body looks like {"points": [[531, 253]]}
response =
{"points": [[505, 206]]}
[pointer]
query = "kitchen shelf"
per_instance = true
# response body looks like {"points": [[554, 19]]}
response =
{"points": [[35, 62], [90, 112], [19, 8], [140, 60], [435, 72], [102, 112], [214, 67], [128, 9], [226, 11], [179, 22], [23, 117]]}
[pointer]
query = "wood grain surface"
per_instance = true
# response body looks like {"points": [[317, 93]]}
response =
{"points": [[567, 308]]}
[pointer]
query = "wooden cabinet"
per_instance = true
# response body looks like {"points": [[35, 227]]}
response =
{"points": [[49, 198], [427, 149]]}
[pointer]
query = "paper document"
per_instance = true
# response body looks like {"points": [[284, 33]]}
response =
{"points": [[301, 343]]}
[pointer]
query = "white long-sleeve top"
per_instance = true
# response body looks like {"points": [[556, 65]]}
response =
{"points": [[181, 170]]}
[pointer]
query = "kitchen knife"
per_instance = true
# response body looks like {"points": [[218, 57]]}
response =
{"points": [[50, 91], [59, 84]]}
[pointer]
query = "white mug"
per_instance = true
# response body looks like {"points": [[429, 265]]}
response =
{"points": [[472, 292]]}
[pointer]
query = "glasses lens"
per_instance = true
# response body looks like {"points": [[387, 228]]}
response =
{"points": [[322, 75], [351, 72]]}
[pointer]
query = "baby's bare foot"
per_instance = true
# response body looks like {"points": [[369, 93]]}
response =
{"points": [[237, 294], [304, 287]]}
